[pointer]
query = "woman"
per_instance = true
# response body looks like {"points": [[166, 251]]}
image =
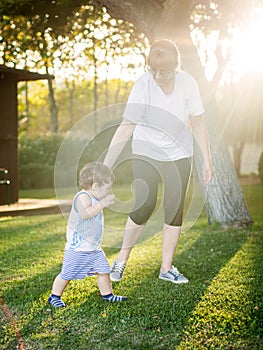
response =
{"points": [[163, 110]]}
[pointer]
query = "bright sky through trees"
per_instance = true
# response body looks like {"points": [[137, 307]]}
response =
{"points": [[244, 50], [243, 47], [247, 46]]}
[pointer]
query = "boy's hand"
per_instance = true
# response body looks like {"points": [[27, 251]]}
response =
{"points": [[108, 200]]}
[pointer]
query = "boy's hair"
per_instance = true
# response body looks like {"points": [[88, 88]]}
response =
{"points": [[95, 172]]}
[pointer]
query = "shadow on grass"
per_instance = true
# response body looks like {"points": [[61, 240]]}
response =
{"points": [[229, 316], [256, 288], [156, 313], [25, 300], [168, 307]]}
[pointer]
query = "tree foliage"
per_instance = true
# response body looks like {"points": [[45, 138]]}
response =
{"points": [[46, 13], [145, 16], [89, 42], [173, 19]]}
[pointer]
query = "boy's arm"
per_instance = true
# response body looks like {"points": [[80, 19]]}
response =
{"points": [[86, 211]]}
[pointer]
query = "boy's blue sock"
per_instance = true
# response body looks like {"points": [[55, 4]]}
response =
{"points": [[113, 298], [56, 301]]}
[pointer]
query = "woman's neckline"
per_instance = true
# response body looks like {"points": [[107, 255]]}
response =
{"points": [[169, 91]]}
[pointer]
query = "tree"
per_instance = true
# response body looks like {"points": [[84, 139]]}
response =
{"points": [[22, 40], [242, 101], [225, 202], [104, 39], [175, 19], [90, 40]]}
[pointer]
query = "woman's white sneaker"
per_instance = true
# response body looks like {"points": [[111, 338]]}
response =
{"points": [[173, 276], [117, 271]]}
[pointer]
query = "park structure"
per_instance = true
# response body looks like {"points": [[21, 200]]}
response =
{"points": [[9, 78]]}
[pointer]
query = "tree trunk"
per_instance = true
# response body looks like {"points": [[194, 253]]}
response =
{"points": [[26, 98], [106, 82], [237, 155], [27, 121], [71, 89], [118, 89], [95, 88], [53, 107], [224, 200]]}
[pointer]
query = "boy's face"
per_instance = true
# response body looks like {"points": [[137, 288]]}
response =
{"points": [[103, 190]]}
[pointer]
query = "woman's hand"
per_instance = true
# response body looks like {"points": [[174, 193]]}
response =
{"points": [[119, 140], [208, 173], [200, 133]]}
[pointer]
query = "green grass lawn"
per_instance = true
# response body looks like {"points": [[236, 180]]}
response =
{"points": [[221, 307]]}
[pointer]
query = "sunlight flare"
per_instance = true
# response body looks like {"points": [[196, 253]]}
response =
{"points": [[247, 47]]}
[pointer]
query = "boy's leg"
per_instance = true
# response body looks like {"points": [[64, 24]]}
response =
{"points": [[58, 288], [105, 288]]}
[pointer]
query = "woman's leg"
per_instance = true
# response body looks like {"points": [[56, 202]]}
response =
{"points": [[170, 239], [175, 177], [168, 272], [131, 234], [146, 188], [146, 178]]}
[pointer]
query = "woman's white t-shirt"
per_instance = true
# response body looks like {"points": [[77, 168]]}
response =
{"points": [[162, 129]]}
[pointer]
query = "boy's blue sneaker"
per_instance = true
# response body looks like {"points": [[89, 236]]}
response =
{"points": [[173, 276], [116, 271], [56, 301]]}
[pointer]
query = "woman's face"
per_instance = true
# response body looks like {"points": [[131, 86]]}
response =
{"points": [[163, 76]]}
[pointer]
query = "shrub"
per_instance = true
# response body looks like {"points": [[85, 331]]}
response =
{"points": [[36, 175], [41, 150], [260, 167], [37, 157]]}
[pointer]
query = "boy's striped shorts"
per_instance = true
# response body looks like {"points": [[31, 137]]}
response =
{"points": [[79, 264]]}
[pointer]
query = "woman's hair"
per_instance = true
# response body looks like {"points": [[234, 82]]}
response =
{"points": [[94, 173], [164, 53]]}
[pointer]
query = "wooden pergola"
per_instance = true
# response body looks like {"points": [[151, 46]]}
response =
{"points": [[9, 77]]}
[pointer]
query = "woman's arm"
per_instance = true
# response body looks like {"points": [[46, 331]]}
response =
{"points": [[119, 140], [200, 133]]}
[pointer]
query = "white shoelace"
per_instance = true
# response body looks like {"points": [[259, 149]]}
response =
{"points": [[118, 267], [174, 271]]}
